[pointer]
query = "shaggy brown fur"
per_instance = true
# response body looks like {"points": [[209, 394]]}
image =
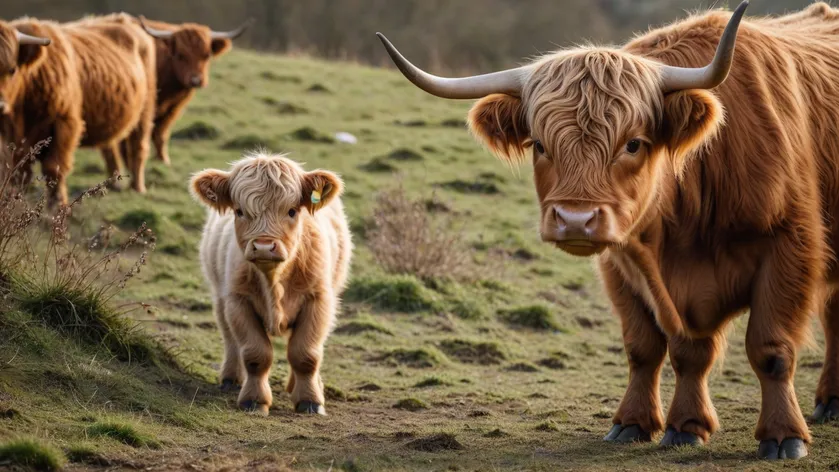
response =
{"points": [[85, 89], [727, 205], [277, 264]]}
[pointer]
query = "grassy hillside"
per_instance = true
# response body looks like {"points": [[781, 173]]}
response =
{"points": [[518, 367]]}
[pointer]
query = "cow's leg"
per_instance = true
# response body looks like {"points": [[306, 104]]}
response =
{"points": [[231, 366], [256, 353], [163, 130], [639, 415], [136, 147], [111, 156], [57, 163], [783, 296], [827, 393], [692, 418], [305, 352]]}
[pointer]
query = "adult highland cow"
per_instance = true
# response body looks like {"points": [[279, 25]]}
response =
{"points": [[87, 88], [699, 205]]}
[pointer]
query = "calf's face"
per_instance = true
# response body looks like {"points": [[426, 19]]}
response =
{"points": [[603, 138], [18, 51], [191, 48], [269, 197]]}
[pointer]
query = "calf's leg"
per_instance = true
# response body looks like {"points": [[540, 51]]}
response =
{"points": [[305, 352], [639, 415], [255, 352], [692, 418], [827, 393], [231, 366]]}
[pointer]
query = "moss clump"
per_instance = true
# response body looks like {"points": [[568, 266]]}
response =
{"points": [[473, 352], [411, 404], [397, 293], [536, 317], [198, 131], [31, 454], [124, 433]]}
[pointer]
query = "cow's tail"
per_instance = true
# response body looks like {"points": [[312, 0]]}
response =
{"points": [[668, 317]]}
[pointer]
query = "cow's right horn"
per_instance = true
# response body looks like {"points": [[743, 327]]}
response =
{"points": [[232, 34], [508, 82], [26, 39], [159, 34]]}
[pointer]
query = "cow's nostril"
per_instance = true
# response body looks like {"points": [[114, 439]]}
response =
{"points": [[592, 222], [558, 217]]}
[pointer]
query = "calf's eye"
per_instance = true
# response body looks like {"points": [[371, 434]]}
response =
{"points": [[538, 146], [633, 146], [12, 71], [292, 212], [240, 213]]}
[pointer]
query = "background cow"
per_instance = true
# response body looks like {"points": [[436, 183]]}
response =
{"points": [[694, 222], [87, 88], [276, 263]]}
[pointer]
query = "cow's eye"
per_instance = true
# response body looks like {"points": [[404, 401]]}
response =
{"points": [[12, 71], [240, 213], [292, 212], [538, 146], [633, 146]]}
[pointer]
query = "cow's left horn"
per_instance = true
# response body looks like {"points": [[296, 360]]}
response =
{"points": [[26, 39], [715, 73], [232, 34], [508, 82], [159, 34]]}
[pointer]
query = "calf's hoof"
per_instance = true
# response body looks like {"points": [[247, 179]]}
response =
{"points": [[826, 411], [308, 407], [228, 385], [251, 406], [675, 438], [627, 434], [790, 448]]}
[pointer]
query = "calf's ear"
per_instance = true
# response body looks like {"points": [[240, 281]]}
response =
{"points": [[212, 188], [498, 121], [691, 119], [220, 46], [319, 188]]}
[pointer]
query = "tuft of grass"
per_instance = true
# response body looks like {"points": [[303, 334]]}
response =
{"points": [[476, 187], [133, 219], [522, 367], [418, 358], [198, 131], [547, 426], [536, 317], [362, 326], [398, 293], [377, 164], [432, 381], [470, 352], [404, 154], [453, 123], [122, 432], [31, 454], [311, 135], [467, 309], [411, 404], [85, 454], [436, 443], [249, 142], [496, 433], [318, 88]]}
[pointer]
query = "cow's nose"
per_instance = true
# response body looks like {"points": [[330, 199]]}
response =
{"points": [[264, 245], [196, 80], [576, 224]]}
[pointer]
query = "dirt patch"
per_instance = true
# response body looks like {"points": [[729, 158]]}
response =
{"points": [[436, 443], [470, 352]]}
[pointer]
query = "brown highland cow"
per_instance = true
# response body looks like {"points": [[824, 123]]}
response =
{"points": [[702, 198], [276, 250], [80, 85]]}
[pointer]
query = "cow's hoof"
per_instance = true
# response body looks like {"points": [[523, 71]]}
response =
{"points": [[252, 406], [627, 434], [228, 385], [826, 412], [675, 438], [790, 448], [311, 408]]}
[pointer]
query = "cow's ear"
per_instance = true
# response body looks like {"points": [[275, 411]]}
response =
{"points": [[212, 188], [691, 119], [220, 46], [319, 188], [499, 122]]}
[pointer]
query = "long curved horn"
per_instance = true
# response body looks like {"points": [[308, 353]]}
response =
{"points": [[232, 34], [159, 34], [508, 82], [26, 39], [715, 73]]}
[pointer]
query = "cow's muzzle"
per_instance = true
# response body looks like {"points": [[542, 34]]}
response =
{"points": [[265, 251], [578, 230]]}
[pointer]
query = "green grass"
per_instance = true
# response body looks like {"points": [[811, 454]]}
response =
{"points": [[122, 432], [393, 333], [31, 454]]}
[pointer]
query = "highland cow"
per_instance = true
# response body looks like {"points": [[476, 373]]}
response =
{"points": [[276, 251], [81, 86], [702, 198]]}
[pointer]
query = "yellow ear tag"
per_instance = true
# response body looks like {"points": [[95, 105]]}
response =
{"points": [[315, 196]]}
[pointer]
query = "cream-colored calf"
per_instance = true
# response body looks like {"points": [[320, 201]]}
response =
{"points": [[276, 251]]}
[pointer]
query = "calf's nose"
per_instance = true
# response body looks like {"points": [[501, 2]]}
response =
{"points": [[573, 224], [196, 80], [264, 245]]}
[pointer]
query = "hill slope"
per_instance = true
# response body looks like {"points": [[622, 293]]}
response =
{"points": [[520, 368]]}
